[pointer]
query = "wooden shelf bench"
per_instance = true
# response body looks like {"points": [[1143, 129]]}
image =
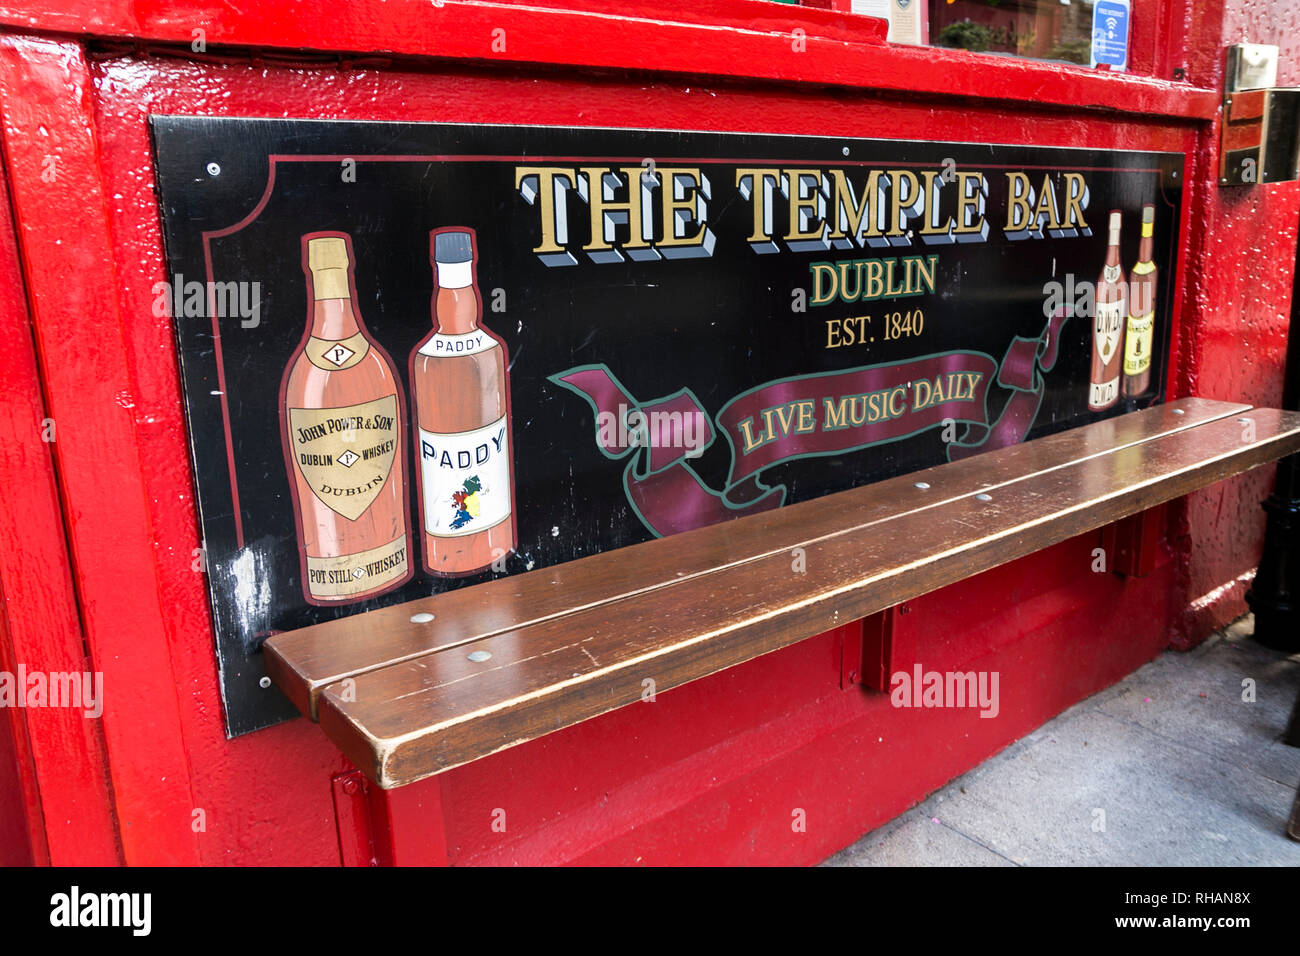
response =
{"points": [[414, 689]]}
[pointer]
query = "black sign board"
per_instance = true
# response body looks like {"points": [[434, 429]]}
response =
{"points": [[627, 333]]}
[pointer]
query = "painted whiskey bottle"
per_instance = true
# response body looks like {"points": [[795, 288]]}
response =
{"points": [[342, 420], [461, 396], [1141, 312], [1109, 309]]}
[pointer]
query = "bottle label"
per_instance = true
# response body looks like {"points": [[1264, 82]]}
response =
{"points": [[1137, 344], [465, 479], [1106, 329], [1110, 273], [1102, 394], [466, 343], [349, 574], [347, 453], [334, 355]]}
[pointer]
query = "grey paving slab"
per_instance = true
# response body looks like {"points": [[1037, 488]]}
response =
{"points": [[1100, 791], [915, 838], [1226, 699], [1171, 767], [1277, 762]]}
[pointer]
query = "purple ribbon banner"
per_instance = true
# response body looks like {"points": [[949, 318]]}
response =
{"points": [[803, 417], [1021, 372]]}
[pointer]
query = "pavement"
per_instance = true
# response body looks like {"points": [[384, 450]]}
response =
{"points": [[1173, 766]]}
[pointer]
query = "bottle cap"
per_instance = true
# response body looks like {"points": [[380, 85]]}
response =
{"points": [[454, 246], [1148, 213], [327, 258], [1115, 217]]}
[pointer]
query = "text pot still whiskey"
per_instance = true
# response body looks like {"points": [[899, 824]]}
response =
{"points": [[1141, 312], [1110, 308], [342, 417], [462, 410]]}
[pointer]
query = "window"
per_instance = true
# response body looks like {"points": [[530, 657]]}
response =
{"points": [[1037, 29], [1041, 29]]}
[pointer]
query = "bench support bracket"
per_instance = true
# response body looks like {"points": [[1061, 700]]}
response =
{"points": [[1132, 545], [879, 646], [376, 827]]}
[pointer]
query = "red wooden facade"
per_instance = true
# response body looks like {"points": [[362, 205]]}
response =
{"points": [[98, 529]]}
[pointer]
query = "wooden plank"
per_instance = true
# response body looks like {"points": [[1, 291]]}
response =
{"points": [[305, 661], [411, 720]]}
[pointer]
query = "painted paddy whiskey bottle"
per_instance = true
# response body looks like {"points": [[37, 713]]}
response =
{"points": [[1141, 312], [1109, 310], [342, 422], [462, 408]]}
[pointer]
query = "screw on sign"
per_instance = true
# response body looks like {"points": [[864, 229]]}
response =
{"points": [[1110, 23]]}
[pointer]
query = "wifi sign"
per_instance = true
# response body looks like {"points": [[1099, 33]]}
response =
{"points": [[1110, 20]]}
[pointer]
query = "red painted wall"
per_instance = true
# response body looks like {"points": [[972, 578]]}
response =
{"points": [[1238, 308], [714, 771], [15, 847], [265, 808]]}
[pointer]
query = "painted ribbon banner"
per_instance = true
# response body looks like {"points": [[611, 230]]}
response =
{"points": [[803, 417], [806, 417], [416, 356]]}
